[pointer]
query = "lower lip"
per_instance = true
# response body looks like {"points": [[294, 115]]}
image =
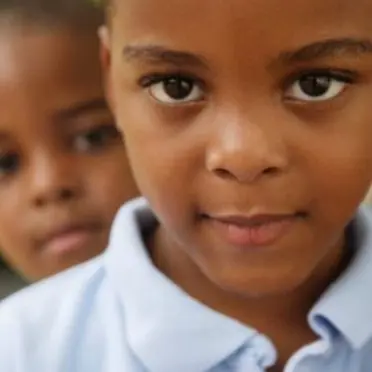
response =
{"points": [[70, 241], [262, 235]]}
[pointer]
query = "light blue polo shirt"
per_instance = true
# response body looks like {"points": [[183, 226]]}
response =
{"points": [[118, 313]]}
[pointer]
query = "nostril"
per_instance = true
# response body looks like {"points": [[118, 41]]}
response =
{"points": [[39, 202], [56, 196], [270, 170], [223, 173], [66, 194]]}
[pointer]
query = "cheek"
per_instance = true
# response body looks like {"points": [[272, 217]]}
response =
{"points": [[13, 244], [163, 179], [111, 184], [339, 175], [165, 156], [119, 178], [166, 171], [347, 170], [343, 186]]}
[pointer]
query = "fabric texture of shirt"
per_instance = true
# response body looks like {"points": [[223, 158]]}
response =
{"points": [[118, 313]]}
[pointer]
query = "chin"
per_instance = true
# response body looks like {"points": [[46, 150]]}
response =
{"points": [[255, 284]]}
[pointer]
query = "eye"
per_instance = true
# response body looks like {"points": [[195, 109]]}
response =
{"points": [[9, 163], [175, 90], [96, 138], [318, 87]]}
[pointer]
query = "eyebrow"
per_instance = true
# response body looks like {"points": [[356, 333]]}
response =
{"points": [[156, 54], [81, 108], [327, 49]]}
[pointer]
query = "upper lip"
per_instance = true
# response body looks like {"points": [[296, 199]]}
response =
{"points": [[252, 219]]}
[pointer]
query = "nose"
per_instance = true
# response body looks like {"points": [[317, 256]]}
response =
{"points": [[53, 180], [245, 151]]}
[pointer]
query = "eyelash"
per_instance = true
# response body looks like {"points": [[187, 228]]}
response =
{"points": [[345, 76], [151, 79], [11, 161], [342, 75], [96, 138]]}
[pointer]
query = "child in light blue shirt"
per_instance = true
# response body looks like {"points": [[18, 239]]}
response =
{"points": [[64, 172], [248, 127]]}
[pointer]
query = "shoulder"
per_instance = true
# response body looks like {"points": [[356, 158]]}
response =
{"points": [[78, 320], [55, 290], [45, 313]]}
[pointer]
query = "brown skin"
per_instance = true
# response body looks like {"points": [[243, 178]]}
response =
{"points": [[246, 139], [63, 167]]}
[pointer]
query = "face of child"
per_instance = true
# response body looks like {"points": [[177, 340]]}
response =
{"points": [[249, 127], [63, 168]]}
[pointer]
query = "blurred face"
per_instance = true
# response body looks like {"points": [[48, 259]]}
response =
{"points": [[248, 124], [63, 168]]}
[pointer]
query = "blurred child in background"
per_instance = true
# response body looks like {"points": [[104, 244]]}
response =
{"points": [[63, 166]]}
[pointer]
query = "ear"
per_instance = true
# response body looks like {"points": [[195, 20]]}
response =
{"points": [[105, 56]]}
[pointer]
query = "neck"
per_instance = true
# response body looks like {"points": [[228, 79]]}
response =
{"points": [[289, 310]]}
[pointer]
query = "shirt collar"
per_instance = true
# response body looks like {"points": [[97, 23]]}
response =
{"points": [[159, 313], [347, 304]]}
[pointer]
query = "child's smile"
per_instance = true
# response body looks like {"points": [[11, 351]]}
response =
{"points": [[236, 109], [253, 231]]}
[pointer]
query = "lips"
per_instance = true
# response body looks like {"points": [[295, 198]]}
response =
{"points": [[253, 231], [70, 238]]}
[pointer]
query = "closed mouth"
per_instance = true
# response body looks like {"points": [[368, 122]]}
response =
{"points": [[253, 221], [246, 220], [251, 231], [71, 237]]}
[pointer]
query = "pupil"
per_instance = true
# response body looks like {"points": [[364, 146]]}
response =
{"points": [[95, 137], [8, 162], [315, 86], [177, 88]]}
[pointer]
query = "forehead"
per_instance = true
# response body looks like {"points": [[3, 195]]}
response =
{"points": [[44, 59], [240, 24], [44, 73]]}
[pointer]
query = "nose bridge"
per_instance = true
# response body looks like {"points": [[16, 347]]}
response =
{"points": [[51, 175], [246, 143]]}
